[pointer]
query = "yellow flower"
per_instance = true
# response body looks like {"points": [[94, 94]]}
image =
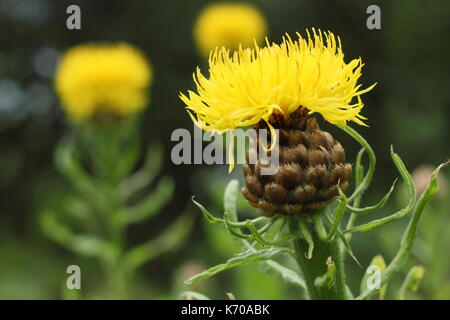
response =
{"points": [[228, 25], [102, 78], [248, 86]]}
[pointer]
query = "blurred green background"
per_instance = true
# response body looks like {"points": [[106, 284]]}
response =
{"points": [[409, 108]]}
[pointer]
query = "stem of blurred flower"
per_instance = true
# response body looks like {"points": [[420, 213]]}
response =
{"points": [[106, 149], [319, 265], [100, 161], [118, 276]]}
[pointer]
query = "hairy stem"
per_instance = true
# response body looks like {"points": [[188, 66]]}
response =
{"points": [[316, 267]]}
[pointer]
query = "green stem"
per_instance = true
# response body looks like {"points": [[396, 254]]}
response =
{"points": [[115, 272], [316, 267], [119, 277]]}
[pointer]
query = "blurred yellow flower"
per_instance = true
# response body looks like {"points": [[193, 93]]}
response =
{"points": [[249, 85], [94, 79], [228, 25]]}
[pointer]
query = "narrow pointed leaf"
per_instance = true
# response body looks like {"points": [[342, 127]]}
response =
{"points": [[152, 204], [372, 160], [375, 207], [230, 197], [273, 267], [409, 235], [248, 257], [338, 215], [399, 214], [208, 216], [308, 238]]}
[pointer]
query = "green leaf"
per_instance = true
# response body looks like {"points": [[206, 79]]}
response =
{"points": [[170, 239], [328, 279], [319, 227], [372, 160], [409, 235], [412, 281], [243, 224], [82, 244], [399, 214], [151, 205], [78, 208], [257, 236], [308, 238], [375, 207], [90, 245], [359, 171], [345, 241], [143, 176], [230, 197], [266, 227], [70, 167], [359, 168], [338, 215], [245, 258], [230, 210], [288, 275], [127, 160], [208, 216], [229, 223], [233, 232], [53, 229], [271, 266]]}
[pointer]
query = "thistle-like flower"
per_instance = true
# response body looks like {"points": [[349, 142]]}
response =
{"points": [[95, 79], [283, 87], [229, 25]]}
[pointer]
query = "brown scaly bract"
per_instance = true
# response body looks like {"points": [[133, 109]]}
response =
{"points": [[312, 165]]}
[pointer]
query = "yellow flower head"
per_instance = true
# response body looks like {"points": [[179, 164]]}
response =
{"points": [[248, 86], [228, 25], [102, 78]]}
